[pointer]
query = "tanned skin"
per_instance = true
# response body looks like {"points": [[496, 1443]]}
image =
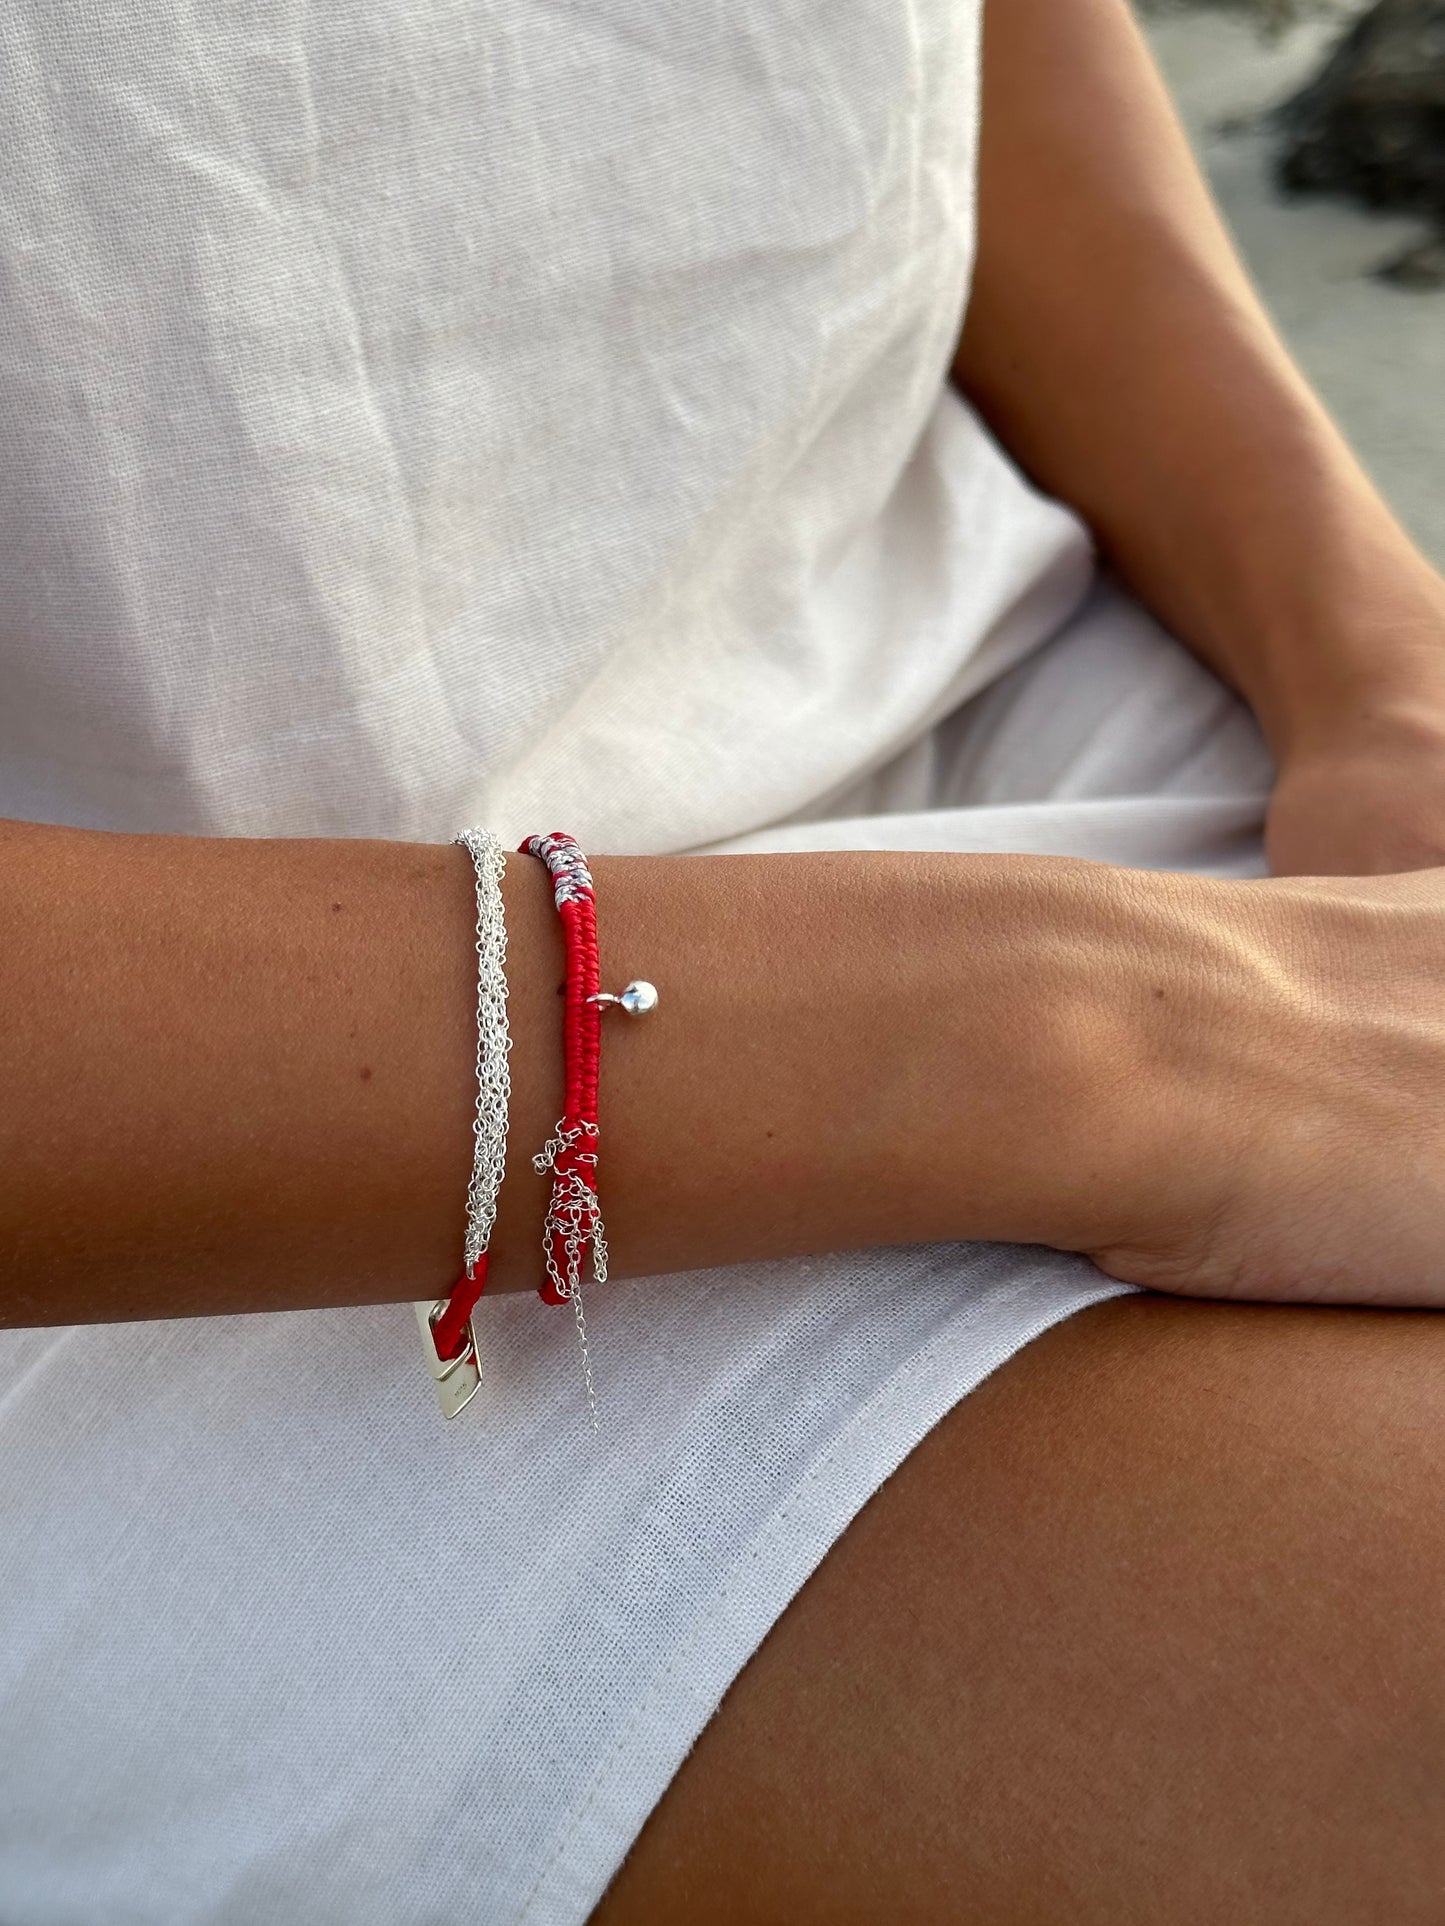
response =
{"points": [[1148, 1628]]}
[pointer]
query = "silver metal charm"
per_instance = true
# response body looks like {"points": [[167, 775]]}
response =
{"points": [[457, 1379], [637, 998]]}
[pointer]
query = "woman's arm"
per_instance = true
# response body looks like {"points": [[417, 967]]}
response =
{"points": [[237, 1075], [1116, 346]]}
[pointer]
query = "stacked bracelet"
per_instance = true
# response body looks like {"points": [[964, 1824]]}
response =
{"points": [[448, 1339], [573, 1228]]}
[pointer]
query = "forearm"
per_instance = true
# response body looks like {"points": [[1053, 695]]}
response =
{"points": [[238, 1074], [235, 1073], [1115, 344]]}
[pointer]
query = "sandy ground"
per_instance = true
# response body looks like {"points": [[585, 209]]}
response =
{"points": [[1376, 353]]}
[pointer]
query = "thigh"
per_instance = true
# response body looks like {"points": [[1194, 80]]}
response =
{"points": [[1148, 1629]]}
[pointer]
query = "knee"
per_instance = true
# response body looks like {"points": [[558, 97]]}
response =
{"points": [[1232, 1608], [1147, 1628]]}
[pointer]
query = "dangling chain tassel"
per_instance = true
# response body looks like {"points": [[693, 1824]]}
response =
{"points": [[574, 1216], [573, 1225]]}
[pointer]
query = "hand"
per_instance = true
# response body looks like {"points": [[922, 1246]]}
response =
{"points": [[1287, 1072], [1366, 797]]}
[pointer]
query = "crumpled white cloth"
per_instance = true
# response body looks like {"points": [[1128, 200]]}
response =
{"points": [[535, 415]]}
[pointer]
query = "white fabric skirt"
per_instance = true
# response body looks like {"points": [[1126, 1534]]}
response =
{"points": [[278, 1644]]}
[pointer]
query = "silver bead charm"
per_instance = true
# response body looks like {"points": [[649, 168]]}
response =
{"points": [[637, 998]]}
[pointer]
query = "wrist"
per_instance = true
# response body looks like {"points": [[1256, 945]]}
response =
{"points": [[1369, 661], [1117, 1020], [1202, 979], [1025, 1019]]}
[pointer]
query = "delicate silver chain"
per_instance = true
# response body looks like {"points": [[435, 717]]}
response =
{"points": [[586, 1355], [494, 1043], [575, 1215]]}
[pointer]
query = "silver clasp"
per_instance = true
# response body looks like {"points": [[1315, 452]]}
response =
{"points": [[457, 1379]]}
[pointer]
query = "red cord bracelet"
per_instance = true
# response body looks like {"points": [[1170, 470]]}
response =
{"points": [[573, 1226]]}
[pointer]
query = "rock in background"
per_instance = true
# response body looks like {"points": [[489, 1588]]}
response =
{"points": [[1272, 17], [1371, 124], [1373, 350]]}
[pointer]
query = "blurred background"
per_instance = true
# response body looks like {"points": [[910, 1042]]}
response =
{"points": [[1321, 124]]}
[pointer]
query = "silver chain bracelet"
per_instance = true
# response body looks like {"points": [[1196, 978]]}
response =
{"points": [[458, 1375]]}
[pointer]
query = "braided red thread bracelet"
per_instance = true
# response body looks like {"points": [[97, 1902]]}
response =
{"points": [[573, 1225], [574, 1217]]}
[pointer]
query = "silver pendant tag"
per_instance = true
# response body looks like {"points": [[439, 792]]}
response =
{"points": [[457, 1379]]}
